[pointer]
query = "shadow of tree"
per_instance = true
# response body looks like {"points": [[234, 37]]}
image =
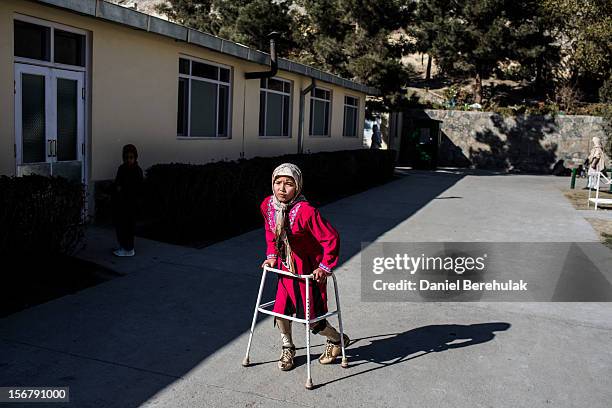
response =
{"points": [[449, 154], [510, 93], [516, 145]]}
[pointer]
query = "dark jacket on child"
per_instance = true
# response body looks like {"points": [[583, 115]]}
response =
{"points": [[127, 192], [128, 186]]}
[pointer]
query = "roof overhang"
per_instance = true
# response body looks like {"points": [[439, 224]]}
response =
{"points": [[117, 14]]}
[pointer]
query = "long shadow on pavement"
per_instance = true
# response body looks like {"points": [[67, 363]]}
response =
{"points": [[386, 350], [389, 349]]}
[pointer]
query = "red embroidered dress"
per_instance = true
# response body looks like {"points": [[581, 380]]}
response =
{"points": [[315, 244]]}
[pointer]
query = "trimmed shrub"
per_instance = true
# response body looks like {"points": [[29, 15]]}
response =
{"points": [[103, 193], [40, 216], [188, 203]]}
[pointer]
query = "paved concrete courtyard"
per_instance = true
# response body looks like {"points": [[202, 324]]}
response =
{"points": [[172, 331]]}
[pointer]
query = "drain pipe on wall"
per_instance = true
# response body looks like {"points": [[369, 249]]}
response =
{"points": [[259, 75], [273, 61], [269, 74], [243, 120], [303, 94]]}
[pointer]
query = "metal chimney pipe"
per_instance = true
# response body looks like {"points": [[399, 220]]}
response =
{"points": [[273, 61]]}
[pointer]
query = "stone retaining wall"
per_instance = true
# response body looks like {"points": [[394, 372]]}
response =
{"points": [[524, 143]]}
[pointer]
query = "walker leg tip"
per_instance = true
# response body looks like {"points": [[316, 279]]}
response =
{"points": [[309, 385], [344, 363], [245, 362]]}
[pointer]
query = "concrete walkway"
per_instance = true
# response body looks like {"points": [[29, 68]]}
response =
{"points": [[172, 331]]}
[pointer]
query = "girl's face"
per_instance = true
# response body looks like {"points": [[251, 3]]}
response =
{"points": [[284, 189], [130, 159]]}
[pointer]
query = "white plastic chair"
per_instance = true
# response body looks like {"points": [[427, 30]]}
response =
{"points": [[597, 200], [308, 322]]}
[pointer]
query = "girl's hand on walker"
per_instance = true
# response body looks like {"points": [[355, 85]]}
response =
{"points": [[320, 275], [270, 262]]}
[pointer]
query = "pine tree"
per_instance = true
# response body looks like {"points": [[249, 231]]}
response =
{"points": [[470, 39], [192, 13], [250, 22], [244, 21], [351, 38], [585, 32], [533, 43]]}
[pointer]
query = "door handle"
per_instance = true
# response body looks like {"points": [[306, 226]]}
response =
{"points": [[50, 148]]}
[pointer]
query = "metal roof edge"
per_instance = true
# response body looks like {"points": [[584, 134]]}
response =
{"points": [[146, 22]]}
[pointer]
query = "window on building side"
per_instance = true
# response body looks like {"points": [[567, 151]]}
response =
{"points": [[69, 48], [203, 99], [50, 44], [274, 107], [32, 41], [351, 113], [320, 111]]}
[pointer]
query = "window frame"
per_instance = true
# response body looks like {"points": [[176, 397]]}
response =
{"points": [[264, 111], [356, 107], [52, 27], [329, 119], [189, 78]]}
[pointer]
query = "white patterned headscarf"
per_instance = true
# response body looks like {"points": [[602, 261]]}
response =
{"points": [[597, 142], [282, 211]]}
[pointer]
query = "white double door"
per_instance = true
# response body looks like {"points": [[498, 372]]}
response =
{"points": [[49, 122]]}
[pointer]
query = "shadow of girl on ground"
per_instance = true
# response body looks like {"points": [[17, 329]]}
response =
{"points": [[388, 349]]}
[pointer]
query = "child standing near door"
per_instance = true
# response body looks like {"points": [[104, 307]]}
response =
{"points": [[128, 186]]}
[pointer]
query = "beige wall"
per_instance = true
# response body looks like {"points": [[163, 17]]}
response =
{"points": [[133, 81], [7, 139]]}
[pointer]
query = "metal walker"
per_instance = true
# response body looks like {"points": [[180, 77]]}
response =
{"points": [[262, 308]]}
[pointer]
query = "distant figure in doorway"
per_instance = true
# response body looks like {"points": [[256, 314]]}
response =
{"points": [[376, 138], [128, 185], [597, 162]]}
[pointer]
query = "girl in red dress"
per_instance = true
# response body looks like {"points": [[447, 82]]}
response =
{"points": [[301, 241]]}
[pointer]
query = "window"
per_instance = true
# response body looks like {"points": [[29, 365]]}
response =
{"points": [[35, 41], [320, 107], [351, 113], [203, 99], [32, 41], [274, 107], [69, 48]]}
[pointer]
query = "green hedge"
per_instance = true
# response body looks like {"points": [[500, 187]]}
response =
{"points": [[40, 216], [188, 203]]}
